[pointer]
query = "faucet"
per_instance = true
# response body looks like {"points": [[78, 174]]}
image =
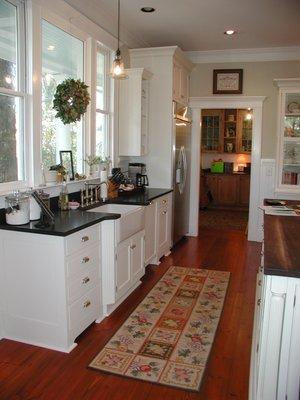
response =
{"points": [[89, 195]]}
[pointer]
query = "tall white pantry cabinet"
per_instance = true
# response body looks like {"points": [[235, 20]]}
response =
{"points": [[169, 82]]}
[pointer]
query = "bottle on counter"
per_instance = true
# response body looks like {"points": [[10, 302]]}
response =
{"points": [[63, 202]]}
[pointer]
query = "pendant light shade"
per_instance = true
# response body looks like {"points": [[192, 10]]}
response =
{"points": [[117, 71]]}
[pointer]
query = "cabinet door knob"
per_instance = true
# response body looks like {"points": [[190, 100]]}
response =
{"points": [[85, 280], [85, 239], [86, 304], [133, 246], [85, 260]]}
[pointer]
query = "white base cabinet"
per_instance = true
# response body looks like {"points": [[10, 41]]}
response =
{"points": [[49, 286], [158, 229], [129, 263], [122, 265], [275, 359]]}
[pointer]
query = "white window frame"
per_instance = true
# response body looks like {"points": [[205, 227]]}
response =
{"points": [[108, 103], [21, 94], [40, 14]]}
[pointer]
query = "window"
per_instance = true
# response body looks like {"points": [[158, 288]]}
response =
{"points": [[12, 92], [103, 117], [62, 58]]}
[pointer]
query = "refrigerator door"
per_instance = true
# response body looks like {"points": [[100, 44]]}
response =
{"points": [[181, 179]]}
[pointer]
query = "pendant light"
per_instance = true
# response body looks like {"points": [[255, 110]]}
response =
{"points": [[118, 64]]}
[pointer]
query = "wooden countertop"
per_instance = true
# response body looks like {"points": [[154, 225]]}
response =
{"points": [[282, 245]]}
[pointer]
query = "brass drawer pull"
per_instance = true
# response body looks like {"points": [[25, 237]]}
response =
{"points": [[86, 279], [85, 260], [85, 239], [86, 304]]}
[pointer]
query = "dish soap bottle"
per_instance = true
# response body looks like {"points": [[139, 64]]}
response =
{"points": [[64, 198]]}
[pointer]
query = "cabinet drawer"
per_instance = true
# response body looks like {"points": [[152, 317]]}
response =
{"points": [[163, 201], [84, 311], [83, 260], [82, 283], [80, 240]]}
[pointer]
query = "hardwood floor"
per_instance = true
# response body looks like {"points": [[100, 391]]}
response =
{"points": [[31, 373]]}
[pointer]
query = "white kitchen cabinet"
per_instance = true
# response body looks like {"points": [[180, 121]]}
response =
{"points": [[181, 76], [129, 263], [137, 247], [134, 112], [150, 232], [123, 268], [164, 222], [275, 362], [170, 81], [49, 286]]}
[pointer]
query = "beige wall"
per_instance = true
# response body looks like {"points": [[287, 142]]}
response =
{"points": [[258, 81]]}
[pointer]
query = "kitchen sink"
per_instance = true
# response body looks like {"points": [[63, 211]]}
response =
{"points": [[132, 219]]}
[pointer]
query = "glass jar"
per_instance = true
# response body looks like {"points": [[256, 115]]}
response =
{"points": [[17, 208]]}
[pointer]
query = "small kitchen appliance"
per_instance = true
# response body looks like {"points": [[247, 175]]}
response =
{"points": [[137, 174]]}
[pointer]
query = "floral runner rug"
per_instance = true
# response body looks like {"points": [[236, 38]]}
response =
{"points": [[168, 337]]}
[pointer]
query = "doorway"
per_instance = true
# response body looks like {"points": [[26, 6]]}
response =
{"points": [[255, 103], [225, 166]]}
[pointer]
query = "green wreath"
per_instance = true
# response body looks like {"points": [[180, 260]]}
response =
{"points": [[71, 100]]}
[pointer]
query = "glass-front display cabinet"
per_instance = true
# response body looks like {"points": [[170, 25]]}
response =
{"points": [[245, 123], [212, 130], [288, 152]]}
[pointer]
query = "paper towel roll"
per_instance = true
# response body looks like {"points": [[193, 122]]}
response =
{"points": [[103, 176]]}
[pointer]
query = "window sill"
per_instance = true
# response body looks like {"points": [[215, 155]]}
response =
{"points": [[50, 186]]}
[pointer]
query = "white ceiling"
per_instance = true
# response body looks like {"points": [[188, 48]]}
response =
{"points": [[199, 24]]}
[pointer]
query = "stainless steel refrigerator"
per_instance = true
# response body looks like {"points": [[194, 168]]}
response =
{"points": [[181, 172]]}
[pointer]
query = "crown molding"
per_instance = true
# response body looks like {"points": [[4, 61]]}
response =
{"points": [[287, 82], [226, 101], [167, 51], [245, 55]]}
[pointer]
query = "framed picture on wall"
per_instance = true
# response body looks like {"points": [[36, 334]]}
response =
{"points": [[228, 81], [66, 160]]}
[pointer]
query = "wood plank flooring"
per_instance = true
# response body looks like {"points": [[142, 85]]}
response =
{"points": [[31, 373]]}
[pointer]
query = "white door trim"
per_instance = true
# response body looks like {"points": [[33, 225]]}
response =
{"points": [[197, 104]]}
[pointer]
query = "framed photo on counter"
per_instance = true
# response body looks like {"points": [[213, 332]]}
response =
{"points": [[66, 160], [228, 81]]}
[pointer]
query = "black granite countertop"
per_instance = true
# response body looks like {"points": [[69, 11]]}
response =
{"points": [[68, 222], [65, 223], [141, 198]]}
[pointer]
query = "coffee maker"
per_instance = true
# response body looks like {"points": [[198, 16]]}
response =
{"points": [[137, 173]]}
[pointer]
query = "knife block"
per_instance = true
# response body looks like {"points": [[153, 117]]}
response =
{"points": [[112, 190]]}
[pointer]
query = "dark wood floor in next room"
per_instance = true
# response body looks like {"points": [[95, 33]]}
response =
{"points": [[31, 373]]}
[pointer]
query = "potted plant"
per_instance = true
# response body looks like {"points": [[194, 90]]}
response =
{"points": [[55, 174], [93, 161]]}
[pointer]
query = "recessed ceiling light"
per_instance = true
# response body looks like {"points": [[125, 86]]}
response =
{"points": [[147, 9], [51, 47], [230, 32]]}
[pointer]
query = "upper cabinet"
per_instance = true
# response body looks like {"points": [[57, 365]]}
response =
{"points": [[212, 130], [288, 150], [134, 112], [181, 80], [226, 131]]}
